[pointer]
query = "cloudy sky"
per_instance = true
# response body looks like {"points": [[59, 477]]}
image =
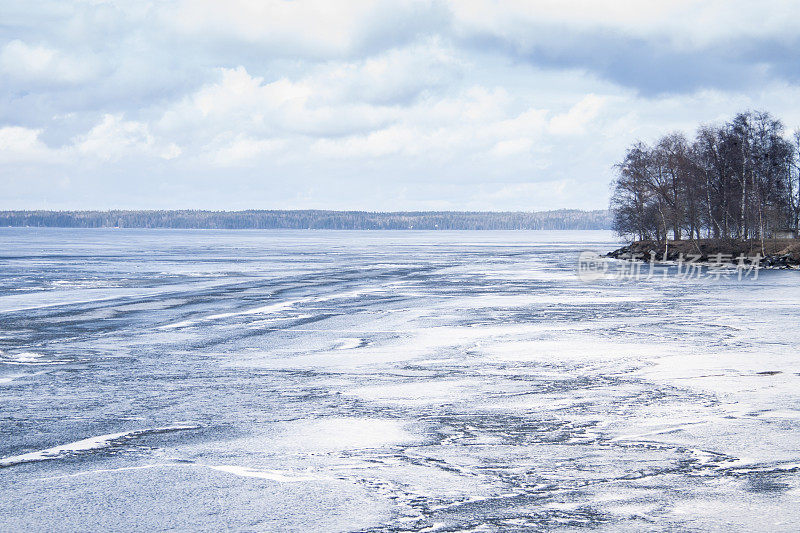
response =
{"points": [[457, 105]]}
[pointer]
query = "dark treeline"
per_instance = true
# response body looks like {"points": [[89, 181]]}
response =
{"points": [[738, 180], [570, 219]]}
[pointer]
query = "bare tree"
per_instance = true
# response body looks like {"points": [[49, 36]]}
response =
{"points": [[741, 179]]}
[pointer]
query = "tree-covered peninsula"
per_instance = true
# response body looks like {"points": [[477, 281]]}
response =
{"points": [[732, 188]]}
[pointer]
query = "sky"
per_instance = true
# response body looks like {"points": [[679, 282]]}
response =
{"points": [[368, 105]]}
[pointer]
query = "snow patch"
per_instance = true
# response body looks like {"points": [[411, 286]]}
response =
{"points": [[272, 475], [85, 445]]}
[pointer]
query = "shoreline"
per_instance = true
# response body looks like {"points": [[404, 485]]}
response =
{"points": [[772, 253]]}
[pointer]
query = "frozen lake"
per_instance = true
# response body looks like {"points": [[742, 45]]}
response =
{"points": [[387, 381]]}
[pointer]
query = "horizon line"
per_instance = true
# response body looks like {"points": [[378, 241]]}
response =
{"points": [[205, 210]]}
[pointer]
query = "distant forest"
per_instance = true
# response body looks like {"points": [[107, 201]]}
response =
{"points": [[563, 219], [738, 180]]}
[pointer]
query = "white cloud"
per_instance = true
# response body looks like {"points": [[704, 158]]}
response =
{"points": [[308, 28], [316, 27], [397, 76], [115, 138], [241, 150], [40, 64], [575, 121], [476, 121], [243, 103], [17, 143], [512, 147]]}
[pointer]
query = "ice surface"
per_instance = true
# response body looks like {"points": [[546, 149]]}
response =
{"points": [[387, 381]]}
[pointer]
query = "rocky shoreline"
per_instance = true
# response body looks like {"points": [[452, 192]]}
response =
{"points": [[772, 253]]}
